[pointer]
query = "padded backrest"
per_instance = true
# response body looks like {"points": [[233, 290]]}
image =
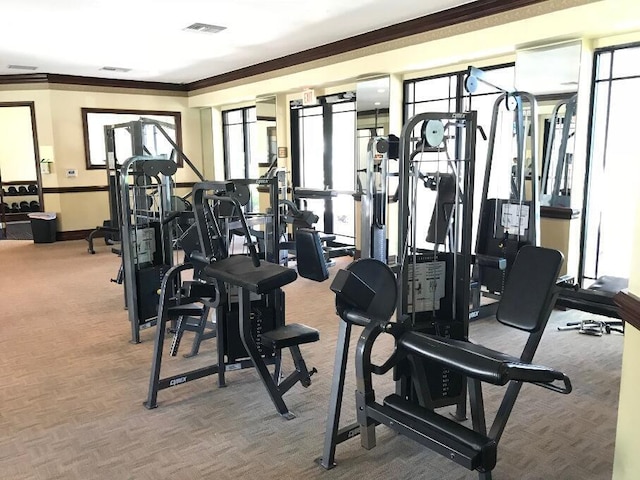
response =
{"points": [[310, 256], [530, 290]]}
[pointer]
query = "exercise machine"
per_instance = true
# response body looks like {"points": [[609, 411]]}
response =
{"points": [[246, 293], [510, 204], [526, 304], [373, 196], [433, 270], [147, 241]]}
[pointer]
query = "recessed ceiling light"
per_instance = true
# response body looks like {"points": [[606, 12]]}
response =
{"points": [[381, 90], [22, 67], [204, 28], [116, 69], [376, 103]]}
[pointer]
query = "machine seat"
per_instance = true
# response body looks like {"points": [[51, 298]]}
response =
{"points": [[476, 361], [288, 336], [239, 270]]}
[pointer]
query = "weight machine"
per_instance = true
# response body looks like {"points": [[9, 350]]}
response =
{"points": [[374, 197], [510, 219], [433, 268], [247, 296]]}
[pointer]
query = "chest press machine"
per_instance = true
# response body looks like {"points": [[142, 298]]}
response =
{"points": [[248, 301]]}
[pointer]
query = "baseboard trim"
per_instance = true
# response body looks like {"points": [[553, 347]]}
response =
{"points": [[629, 307]]}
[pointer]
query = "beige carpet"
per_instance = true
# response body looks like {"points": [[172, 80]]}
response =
{"points": [[72, 392]]}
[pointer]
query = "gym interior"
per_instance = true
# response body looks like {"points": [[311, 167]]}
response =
{"points": [[393, 239]]}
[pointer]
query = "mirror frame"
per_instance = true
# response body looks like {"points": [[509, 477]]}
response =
{"points": [[177, 116]]}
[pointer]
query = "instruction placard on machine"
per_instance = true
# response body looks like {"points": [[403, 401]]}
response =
{"points": [[145, 241], [515, 218], [428, 286]]}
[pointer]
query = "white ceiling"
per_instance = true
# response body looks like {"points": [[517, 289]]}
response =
{"points": [[79, 37]]}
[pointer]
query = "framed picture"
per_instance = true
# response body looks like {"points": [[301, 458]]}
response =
{"points": [[155, 143]]}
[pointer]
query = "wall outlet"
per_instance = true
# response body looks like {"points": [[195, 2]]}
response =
{"points": [[72, 172]]}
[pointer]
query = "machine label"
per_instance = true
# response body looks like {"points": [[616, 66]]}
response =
{"points": [[428, 285], [515, 218], [177, 381]]}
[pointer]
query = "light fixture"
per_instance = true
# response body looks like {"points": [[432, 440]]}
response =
{"points": [[381, 90], [204, 28], [116, 69], [22, 67], [376, 103]]}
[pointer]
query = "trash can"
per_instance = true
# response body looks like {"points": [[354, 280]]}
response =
{"points": [[43, 227]]}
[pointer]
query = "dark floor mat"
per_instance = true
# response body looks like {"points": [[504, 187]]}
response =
{"points": [[17, 231]]}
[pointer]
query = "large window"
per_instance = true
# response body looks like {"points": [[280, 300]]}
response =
{"points": [[608, 229], [239, 128], [323, 153]]}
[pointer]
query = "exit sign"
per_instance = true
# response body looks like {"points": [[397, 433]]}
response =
{"points": [[308, 97]]}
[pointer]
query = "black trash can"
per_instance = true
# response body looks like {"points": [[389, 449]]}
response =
{"points": [[43, 227]]}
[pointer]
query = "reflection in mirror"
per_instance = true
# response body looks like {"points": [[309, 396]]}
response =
{"points": [[372, 123], [264, 150], [552, 73], [557, 163], [20, 190], [94, 120], [265, 145]]}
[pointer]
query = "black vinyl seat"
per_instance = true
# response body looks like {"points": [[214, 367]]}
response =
{"points": [[239, 270], [310, 255]]}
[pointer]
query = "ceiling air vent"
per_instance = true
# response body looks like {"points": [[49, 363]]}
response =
{"points": [[116, 69], [204, 28], [22, 67]]}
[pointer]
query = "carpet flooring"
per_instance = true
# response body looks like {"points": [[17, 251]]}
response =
{"points": [[73, 386]]}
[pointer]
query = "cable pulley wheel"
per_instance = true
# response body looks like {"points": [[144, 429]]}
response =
{"points": [[433, 132]]}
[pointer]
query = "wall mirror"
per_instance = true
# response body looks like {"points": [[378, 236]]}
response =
{"points": [[94, 120], [552, 74], [20, 186], [372, 120], [266, 142]]}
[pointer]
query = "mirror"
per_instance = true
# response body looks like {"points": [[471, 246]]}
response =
{"points": [[551, 73], [266, 143], [95, 119], [19, 162], [372, 121]]}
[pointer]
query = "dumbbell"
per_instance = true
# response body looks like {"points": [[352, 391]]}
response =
{"points": [[15, 208], [13, 190], [24, 206], [34, 206], [22, 190], [32, 189]]}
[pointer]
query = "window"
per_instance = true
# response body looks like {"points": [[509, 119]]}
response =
{"points": [[239, 137], [608, 228]]}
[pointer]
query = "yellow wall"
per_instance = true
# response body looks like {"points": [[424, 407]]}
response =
{"points": [[60, 136], [627, 461]]}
